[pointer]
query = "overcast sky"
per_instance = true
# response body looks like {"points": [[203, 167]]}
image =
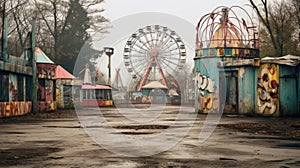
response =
{"points": [[191, 10], [117, 11]]}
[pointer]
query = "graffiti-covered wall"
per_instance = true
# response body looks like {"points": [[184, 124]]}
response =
{"points": [[16, 78], [206, 89], [268, 90], [15, 94], [8, 109], [46, 87]]}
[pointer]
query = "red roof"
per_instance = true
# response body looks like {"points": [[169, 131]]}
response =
{"points": [[103, 87], [61, 73]]}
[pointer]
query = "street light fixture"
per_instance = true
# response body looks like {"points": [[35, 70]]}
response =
{"points": [[109, 52]]}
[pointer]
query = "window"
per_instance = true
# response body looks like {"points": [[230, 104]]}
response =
{"points": [[67, 92], [100, 95], [84, 94], [87, 94]]}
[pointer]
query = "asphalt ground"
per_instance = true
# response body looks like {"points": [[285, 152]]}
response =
{"points": [[58, 139]]}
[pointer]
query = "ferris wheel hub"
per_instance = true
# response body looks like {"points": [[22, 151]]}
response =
{"points": [[154, 53]]}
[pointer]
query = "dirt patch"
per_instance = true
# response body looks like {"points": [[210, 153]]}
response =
{"points": [[286, 127], [16, 156], [36, 117]]}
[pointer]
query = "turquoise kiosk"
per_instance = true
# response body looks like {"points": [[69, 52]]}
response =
{"points": [[226, 61]]}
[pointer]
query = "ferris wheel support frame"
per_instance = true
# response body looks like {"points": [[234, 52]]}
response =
{"points": [[145, 77]]}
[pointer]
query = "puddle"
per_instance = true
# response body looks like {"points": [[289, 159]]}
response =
{"points": [[291, 145], [269, 138], [135, 133], [136, 127], [12, 132], [56, 126]]}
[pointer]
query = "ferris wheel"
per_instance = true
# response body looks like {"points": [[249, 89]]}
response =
{"points": [[154, 50]]}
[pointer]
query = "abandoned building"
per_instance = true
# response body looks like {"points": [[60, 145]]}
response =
{"points": [[231, 77]]}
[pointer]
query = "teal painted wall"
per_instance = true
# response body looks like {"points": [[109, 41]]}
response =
{"points": [[289, 90], [269, 89], [207, 85], [239, 88], [247, 89]]}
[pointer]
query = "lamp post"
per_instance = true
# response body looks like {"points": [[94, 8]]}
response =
{"points": [[109, 52]]}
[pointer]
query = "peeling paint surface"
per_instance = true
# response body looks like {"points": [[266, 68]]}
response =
{"points": [[207, 81], [246, 104], [241, 72]]}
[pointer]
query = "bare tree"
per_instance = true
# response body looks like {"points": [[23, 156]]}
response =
{"points": [[296, 12], [54, 14], [20, 18], [19, 15], [278, 20], [97, 21]]}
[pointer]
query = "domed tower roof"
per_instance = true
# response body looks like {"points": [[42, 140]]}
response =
{"points": [[227, 28]]}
